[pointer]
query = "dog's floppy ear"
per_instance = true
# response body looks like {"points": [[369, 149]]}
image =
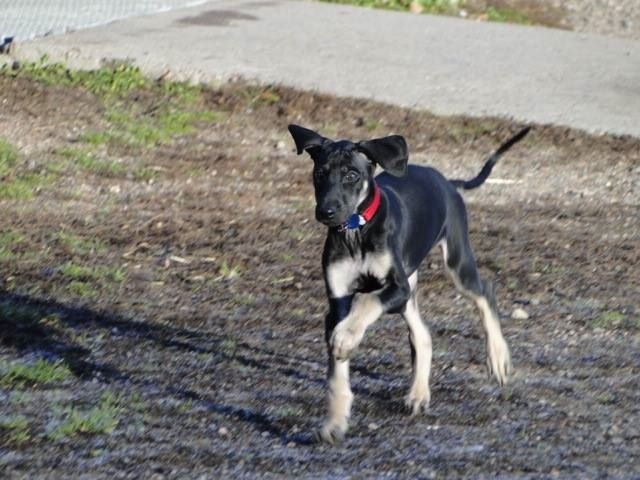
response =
{"points": [[391, 153], [306, 139]]}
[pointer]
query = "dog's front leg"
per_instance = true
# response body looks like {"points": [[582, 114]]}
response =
{"points": [[348, 334], [340, 396], [345, 326]]}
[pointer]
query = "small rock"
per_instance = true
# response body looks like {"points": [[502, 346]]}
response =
{"points": [[223, 431], [373, 426], [519, 314]]}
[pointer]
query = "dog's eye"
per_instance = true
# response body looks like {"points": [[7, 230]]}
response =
{"points": [[351, 177]]}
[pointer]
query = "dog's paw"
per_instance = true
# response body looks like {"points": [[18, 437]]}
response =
{"points": [[343, 341], [332, 432], [417, 401], [499, 361]]}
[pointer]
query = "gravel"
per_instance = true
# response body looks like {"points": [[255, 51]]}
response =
{"points": [[620, 18]]}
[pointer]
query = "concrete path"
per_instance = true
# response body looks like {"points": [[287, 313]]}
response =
{"points": [[446, 65]]}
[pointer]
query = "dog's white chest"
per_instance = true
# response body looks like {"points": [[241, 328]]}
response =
{"points": [[342, 274]]}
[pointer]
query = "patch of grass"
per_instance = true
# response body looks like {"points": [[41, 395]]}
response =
{"points": [[22, 188], [95, 138], [228, 347], [86, 282], [82, 289], [131, 122], [41, 372], [612, 320], [540, 266], [14, 429], [145, 131], [88, 162], [228, 271], [79, 245], [101, 419], [145, 174], [74, 271], [15, 185], [243, 299], [507, 15], [22, 315], [109, 81], [8, 241], [444, 7], [8, 157]]}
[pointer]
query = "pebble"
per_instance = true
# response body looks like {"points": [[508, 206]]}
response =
{"points": [[223, 431], [373, 426], [519, 314]]}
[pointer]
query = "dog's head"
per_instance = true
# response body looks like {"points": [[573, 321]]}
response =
{"points": [[343, 170]]}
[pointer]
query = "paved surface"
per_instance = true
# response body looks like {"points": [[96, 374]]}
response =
{"points": [[26, 19], [446, 65]]}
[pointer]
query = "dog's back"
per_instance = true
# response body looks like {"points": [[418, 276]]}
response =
{"points": [[418, 203]]}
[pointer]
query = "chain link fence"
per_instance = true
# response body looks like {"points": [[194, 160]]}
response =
{"points": [[26, 19]]}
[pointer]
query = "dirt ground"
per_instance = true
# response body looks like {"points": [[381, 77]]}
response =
{"points": [[197, 301]]}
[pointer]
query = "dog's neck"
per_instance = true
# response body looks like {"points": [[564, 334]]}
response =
{"points": [[366, 211]]}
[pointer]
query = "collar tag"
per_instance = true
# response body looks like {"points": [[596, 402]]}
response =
{"points": [[354, 221], [357, 220]]}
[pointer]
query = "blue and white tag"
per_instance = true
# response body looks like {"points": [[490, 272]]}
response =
{"points": [[354, 221]]}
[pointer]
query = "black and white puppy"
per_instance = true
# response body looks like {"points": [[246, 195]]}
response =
{"points": [[380, 228]]}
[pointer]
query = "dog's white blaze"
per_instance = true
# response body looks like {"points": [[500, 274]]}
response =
{"points": [[419, 394], [342, 274], [363, 193]]}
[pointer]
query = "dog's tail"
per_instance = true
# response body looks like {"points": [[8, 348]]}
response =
{"points": [[491, 161]]}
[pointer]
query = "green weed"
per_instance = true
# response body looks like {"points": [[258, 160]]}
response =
{"points": [[8, 242], [41, 372], [612, 320], [228, 347], [229, 271], [15, 429], [8, 157], [507, 15], [88, 162], [14, 184], [243, 299], [101, 419], [79, 245], [74, 271], [82, 289]]}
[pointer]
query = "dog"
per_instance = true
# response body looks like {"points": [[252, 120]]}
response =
{"points": [[380, 228]]}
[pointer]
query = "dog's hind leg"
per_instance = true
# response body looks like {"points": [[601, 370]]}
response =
{"points": [[461, 265], [420, 341]]}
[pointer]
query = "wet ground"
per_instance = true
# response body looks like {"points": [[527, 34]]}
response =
{"points": [[175, 282]]}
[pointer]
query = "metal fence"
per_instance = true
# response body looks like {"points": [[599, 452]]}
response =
{"points": [[27, 19]]}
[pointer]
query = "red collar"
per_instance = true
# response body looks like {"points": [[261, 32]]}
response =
{"points": [[358, 220], [372, 209]]}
